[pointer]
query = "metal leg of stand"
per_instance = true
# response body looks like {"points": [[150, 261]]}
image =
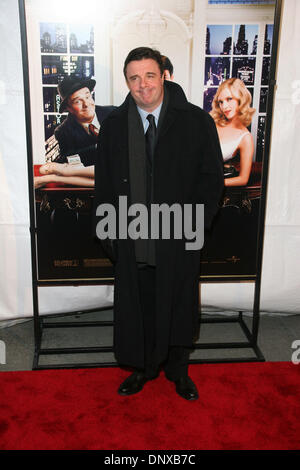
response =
{"points": [[39, 351], [251, 343]]}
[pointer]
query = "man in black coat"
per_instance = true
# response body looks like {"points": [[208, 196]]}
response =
{"points": [[171, 157], [78, 133]]}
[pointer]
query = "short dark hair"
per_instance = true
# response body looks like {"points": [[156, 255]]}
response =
{"points": [[144, 53], [167, 64]]}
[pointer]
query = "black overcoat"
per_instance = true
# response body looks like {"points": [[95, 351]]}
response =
{"points": [[188, 168]]}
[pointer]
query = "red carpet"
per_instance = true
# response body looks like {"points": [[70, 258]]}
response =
{"points": [[241, 406]]}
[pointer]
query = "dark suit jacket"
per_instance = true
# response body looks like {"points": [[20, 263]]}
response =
{"points": [[73, 139]]}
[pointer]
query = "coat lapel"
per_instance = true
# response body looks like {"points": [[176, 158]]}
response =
{"points": [[175, 102], [170, 117]]}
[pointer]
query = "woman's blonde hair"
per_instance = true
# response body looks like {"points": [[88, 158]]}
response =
{"points": [[239, 91]]}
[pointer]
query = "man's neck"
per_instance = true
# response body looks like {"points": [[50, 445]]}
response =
{"points": [[152, 109], [144, 113], [94, 121]]}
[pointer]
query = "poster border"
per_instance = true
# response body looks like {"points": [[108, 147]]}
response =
{"points": [[265, 167], [264, 181]]}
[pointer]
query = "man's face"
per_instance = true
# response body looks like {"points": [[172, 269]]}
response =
{"points": [[145, 83], [82, 105]]}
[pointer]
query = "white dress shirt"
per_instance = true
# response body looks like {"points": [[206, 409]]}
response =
{"points": [[144, 114]]}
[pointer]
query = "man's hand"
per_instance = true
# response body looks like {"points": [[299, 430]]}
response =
{"points": [[53, 168]]}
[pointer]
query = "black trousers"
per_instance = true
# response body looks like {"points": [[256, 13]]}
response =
{"points": [[176, 364]]}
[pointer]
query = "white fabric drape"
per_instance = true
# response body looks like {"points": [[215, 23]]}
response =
{"points": [[15, 256], [281, 271]]}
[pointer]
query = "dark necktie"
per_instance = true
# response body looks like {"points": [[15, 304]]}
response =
{"points": [[150, 137], [93, 130]]}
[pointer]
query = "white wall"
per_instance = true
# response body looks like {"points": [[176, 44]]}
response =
{"points": [[281, 272], [15, 264], [281, 269]]}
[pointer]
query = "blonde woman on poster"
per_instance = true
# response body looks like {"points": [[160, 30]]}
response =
{"points": [[232, 112]]}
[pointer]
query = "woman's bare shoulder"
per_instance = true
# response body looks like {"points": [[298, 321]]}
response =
{"points": [[246, 143]]}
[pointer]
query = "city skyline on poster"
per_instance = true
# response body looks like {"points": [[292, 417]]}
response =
{"points": [[65, 37]]}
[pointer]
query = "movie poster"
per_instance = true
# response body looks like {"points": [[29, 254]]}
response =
{"points": [[64, 46], [237, 50], [66, 246]]}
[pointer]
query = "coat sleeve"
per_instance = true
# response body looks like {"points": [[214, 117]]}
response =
{"points": [[104, 184], [103, 175], [211, 172], [102, 112], [63, 141]]}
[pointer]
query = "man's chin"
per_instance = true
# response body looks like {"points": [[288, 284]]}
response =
{"points": [[87, 118]]}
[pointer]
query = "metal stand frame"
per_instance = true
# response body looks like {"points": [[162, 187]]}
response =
{"points": [[40, 351], [41, 323], [250, 344]]}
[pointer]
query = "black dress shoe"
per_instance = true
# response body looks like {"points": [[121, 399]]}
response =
{"points": [[133, 384], [186, 388]]}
